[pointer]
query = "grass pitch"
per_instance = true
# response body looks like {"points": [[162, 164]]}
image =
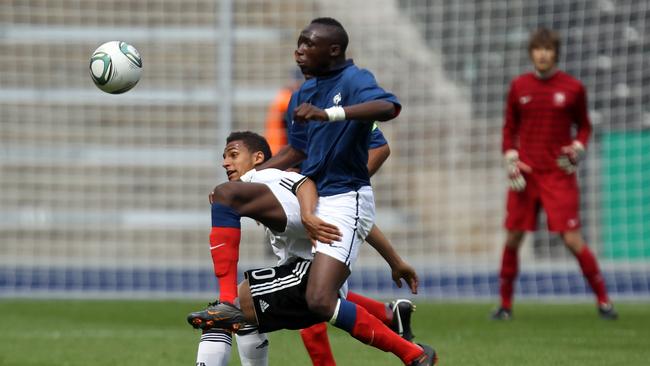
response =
{"points": [[103, 333]]}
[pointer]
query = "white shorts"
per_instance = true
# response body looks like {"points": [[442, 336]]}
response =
{"points": [[354, 214], [281, 183]]}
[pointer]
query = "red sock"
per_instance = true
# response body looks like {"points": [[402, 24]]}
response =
{"points": [[372, 331], [375, 308], [317, 344], [509, 270], [224, 248], [590, 270]]}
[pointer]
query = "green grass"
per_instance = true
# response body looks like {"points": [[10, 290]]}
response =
{"points": [[98, 333]]}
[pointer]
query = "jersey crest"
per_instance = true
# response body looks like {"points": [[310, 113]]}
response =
{"points": [[559, 98], [337, 99]]}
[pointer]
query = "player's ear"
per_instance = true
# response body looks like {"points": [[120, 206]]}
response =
{"points": [[335, 50], [258, 157]]}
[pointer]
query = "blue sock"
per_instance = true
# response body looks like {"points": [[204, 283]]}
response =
{"points": [[345, 315], [224, 216]]}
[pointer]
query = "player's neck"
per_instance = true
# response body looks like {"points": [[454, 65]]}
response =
{"points": [[544, 75], [336, 66]]}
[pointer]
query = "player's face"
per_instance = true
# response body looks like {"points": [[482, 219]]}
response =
{"points": [[237, 159], [543, 58], [312, 53]]}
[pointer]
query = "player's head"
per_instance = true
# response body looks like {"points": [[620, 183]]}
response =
{"points": [[544, 49], [321, 46], [243, 152]]}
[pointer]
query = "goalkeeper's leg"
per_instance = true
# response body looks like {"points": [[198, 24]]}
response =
{"points": [[590, 270], [509, 268]]}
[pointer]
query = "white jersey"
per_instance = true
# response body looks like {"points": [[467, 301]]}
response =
{"points": [[293, 242]]}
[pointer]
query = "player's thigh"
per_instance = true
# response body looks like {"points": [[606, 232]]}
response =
{"points": [[246, 302], [522, 207], [561, 200], [354, 214], [327, 276]]}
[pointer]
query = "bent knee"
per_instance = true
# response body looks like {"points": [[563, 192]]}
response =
{"points": [[321, 304]]}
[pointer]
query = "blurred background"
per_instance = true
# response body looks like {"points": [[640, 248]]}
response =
{"points": [[106, 195]]}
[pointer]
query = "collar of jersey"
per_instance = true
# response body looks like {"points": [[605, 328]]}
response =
{"points": [[349, 62]]}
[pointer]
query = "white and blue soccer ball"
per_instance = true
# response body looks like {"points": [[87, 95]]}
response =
{"points": [[115, 67]]}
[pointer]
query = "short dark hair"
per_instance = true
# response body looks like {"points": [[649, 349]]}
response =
{"points": [[340, 35], [252, 141], [544, 37]]}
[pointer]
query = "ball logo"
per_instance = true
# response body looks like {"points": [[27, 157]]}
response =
{"points": [[101, 68], [131, 53]]}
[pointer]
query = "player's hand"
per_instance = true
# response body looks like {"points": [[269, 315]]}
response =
{"points": [[514, 167], [319, 230], [308, 112], [404, 271], [570, 156]]}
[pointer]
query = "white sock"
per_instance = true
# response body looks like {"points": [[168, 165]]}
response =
{"points": [[214, 348], [253, 349]]}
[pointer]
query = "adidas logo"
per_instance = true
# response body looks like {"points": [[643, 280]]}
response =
{"points": [[264, 305], [263, 344]]}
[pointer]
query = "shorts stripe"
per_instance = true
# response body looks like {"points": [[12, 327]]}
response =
{"points": [[354, 233], [281, 283]]}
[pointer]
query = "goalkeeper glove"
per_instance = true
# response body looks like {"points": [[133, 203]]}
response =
{"points": [[570, 156], [514, 168]]}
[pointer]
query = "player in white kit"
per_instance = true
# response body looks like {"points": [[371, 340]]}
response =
{"points": [[291, 245]]}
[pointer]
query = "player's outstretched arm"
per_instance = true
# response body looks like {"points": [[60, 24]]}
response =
{"points": [[317, 229], [286, 158], [400, 269], [374, 110]]}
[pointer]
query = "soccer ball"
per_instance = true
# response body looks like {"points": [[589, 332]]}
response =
{"points": [[115, 67]]}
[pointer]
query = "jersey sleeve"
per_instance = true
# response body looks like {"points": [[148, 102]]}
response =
{"points": [[296, 132], [511, 121], [365, 89], [377, 138], [581, 117]]}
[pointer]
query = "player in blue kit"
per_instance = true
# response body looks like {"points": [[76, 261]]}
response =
{"points": [[330, 129]]}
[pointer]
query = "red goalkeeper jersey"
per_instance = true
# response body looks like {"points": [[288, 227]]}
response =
{"points": [[539, 117]]}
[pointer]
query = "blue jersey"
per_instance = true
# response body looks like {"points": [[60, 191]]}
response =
{"points": [[337, 152], [297, 133]]}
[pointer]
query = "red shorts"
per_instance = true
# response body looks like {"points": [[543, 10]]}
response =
{"points": [[556, 191]]}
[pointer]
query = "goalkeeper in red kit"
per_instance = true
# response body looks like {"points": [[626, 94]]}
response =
{"points": [[542, 156]]}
